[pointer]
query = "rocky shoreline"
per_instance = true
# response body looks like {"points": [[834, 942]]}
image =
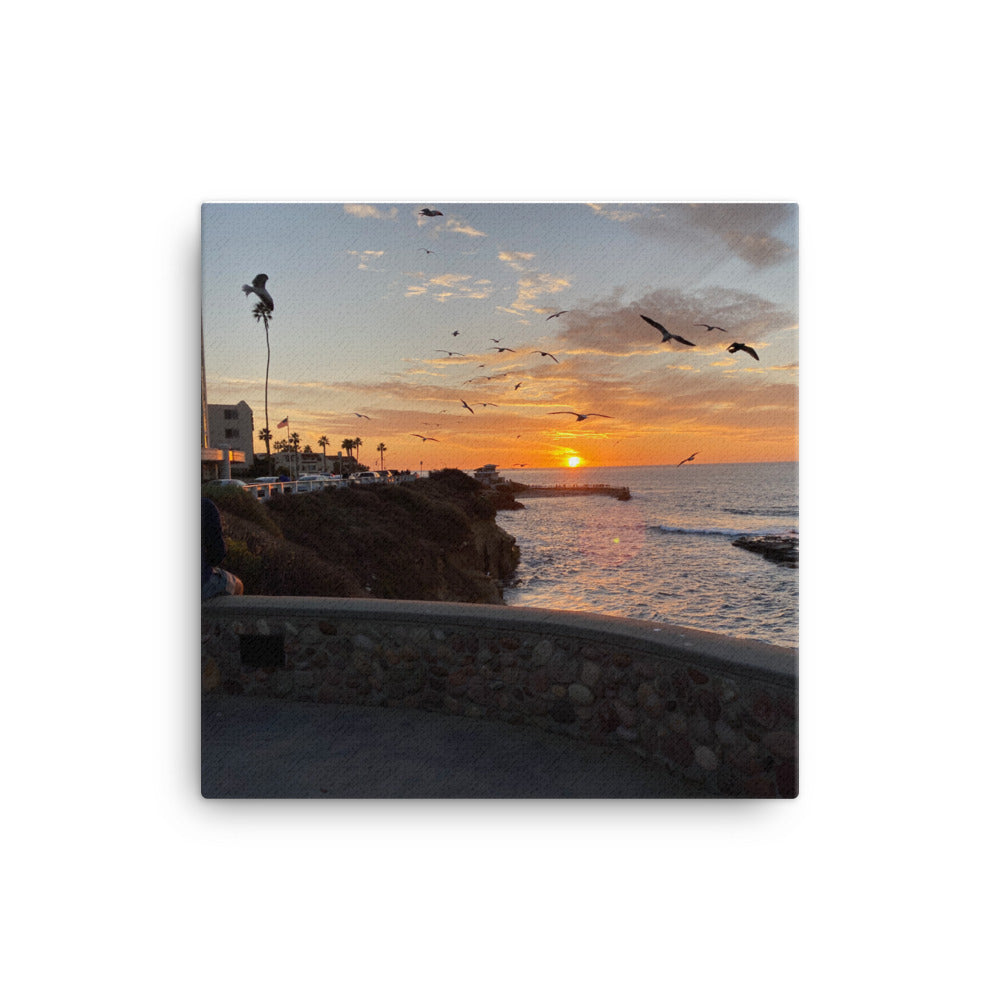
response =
{"points": [[783, 549]]}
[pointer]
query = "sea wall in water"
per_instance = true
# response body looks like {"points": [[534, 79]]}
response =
{"points": [[717, 711]]}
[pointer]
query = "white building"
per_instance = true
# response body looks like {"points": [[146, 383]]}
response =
{"points": [[230, 428]]}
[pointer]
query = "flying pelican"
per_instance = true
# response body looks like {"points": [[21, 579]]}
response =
{"points": [[667, 335], [451, 354], [733, 348], [364, 416], [690, 458], [466, 405], [500, 350], [422, 438], [430, 212], [262, 293], [553, 316], [579, 416], [709, 329], [545, 354]]}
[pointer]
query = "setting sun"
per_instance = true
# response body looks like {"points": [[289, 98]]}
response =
{"points": [[573, 461]]}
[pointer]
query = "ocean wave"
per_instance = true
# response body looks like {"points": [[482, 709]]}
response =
{"points": [[763, 511], [669, 529]]}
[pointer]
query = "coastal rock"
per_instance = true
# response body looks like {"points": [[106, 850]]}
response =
{"points": [[783, 549]]}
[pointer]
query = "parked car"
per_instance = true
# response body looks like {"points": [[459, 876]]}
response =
{"points": [[311, 481], [362, 478], [236, 484], [383, 476]]}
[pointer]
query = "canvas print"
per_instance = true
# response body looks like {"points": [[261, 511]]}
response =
{"points": [[499, 500]]}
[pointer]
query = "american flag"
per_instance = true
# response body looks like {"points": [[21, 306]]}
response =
{"points": [[284, 423]]}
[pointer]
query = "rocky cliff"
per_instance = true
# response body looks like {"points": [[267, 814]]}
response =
{"points": [[434, 540]]}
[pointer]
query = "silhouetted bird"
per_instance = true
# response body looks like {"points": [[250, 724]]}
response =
{"points": [[425, 250], [667, 335], [545, 354], [262, 293], [487, 404], [454, 333], [579, 416], [690, 458], [500, 350], [422, 438], [430, 212], [466, 405], [553, 316], [709, 329], [364, 416], [518, 386], [733, 348], [451, 354]]}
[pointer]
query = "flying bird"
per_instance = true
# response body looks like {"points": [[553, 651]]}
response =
{"points": [[451, 354], [425, 250], [690, 458], [667, 335], [487, 404], [262, 293], [494, 339], [579, 416], [518, 386], [733, 348], [545, 354], [422, 438], [364, 416], [709, 329], [466, 405], [500, 350], [430, 212], [553, 316]]}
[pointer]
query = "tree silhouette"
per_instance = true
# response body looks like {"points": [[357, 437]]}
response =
{"points": [[381, 449], [348, 445], [323, 442], [261, 312], [357, 448]]}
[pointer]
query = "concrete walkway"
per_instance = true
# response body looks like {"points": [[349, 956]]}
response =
{"points": [[264, 748]]}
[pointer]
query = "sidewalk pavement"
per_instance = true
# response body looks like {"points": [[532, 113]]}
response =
{"points": [[265, 748]]}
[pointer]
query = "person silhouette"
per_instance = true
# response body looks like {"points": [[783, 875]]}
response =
{"points": [[214, 581]]}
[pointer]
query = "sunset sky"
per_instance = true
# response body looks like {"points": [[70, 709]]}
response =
{"points": [[364, 316]]}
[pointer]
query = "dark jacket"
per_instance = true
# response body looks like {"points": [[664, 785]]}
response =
{"points": [[213, 545]]}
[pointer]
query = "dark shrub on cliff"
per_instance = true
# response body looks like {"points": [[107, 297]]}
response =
{"points": [[434, 539]]}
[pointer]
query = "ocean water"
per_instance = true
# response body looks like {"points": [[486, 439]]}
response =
{"points": [[666, 555]]}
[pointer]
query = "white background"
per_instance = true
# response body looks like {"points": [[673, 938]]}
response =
{"points": [[880, 879]]}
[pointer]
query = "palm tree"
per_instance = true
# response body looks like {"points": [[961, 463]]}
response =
{"points": [[357, 448], [265, 436], [323, 442], [261, 312], [348, 445], [381, 449]]}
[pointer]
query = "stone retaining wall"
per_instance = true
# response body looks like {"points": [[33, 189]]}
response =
{"points": [[717, 711]]}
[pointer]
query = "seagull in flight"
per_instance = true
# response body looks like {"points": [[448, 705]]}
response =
{"points": [[518, 386], [690, 458], [364, 416], [500, 350], [487, 404], [709, 329], [579, 416], [430, 212], [466, 405], [545, 354], [667, 335], [422, 438], [260, 291], [733, 348], [451, 354], [454, 333], [425, 250], [554, 315]]}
